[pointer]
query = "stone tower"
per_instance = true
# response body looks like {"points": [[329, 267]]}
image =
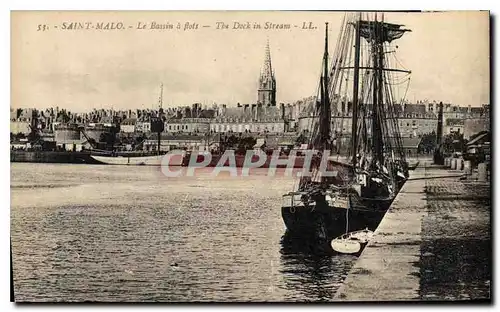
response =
{"points": [[267, 82]]}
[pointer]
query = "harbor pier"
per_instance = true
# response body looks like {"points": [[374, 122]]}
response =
{"points": [[433, 243]]}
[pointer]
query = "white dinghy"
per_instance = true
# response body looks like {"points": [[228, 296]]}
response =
{"points": [[351, 243]]}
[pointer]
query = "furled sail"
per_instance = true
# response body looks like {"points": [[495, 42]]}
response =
{"points": [[384, 32]]}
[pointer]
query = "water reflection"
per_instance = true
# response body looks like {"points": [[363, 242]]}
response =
{"points": [[109, 234], [312, 270]]}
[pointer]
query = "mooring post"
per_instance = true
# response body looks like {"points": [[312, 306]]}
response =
{"points": [[468, 167], [482, 173], [459, 164], [447, 162]]}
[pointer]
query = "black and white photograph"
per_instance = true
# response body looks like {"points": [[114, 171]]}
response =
{"points": [[250, 156]]}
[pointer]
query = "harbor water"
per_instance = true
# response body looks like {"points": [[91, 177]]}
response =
{"points": [[125, 233]]}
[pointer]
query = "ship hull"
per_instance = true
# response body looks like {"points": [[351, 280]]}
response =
{"points": [[64, 157], [328, 221], [153, 160], [283, 161], [239, 161]]}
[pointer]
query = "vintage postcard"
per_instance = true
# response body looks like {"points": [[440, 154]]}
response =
{"points": [[250, 156]]}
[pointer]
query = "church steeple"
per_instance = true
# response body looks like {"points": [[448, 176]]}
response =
{"points": [[268, 68], [267, 82]]}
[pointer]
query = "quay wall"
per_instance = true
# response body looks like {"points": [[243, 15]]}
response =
{"points": [[393, 250], [51, 157], [433, 243]]}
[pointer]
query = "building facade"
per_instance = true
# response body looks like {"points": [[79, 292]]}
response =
{"points": [[187, 125], [128, 125], [453, 125], [143, 126], [475, 125]]}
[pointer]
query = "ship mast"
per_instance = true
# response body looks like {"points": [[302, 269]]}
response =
{"points": [[376, 33], [355, 97], [160, 108], [324, 125], [160, 100], [378, 60]]}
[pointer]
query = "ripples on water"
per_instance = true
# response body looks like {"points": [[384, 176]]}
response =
{"points": [[110, 233]]}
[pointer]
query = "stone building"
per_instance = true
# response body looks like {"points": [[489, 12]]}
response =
{"points": [[478, 120], [143, 126], [413, 119], [453, 125], [255, 118], [475, 125], [187, 125], [128, 125]]}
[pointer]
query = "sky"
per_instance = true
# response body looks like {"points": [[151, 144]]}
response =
{"points": [[447, 52]]}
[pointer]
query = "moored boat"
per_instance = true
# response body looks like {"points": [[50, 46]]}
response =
{"points": [[241, 161], [153, 160], [327, 208]]}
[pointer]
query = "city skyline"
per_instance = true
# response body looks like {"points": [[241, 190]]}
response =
{"points": [[82, 70]]}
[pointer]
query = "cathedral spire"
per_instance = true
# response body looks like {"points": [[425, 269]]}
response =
{"points": [[267, 83], [268, 68]]}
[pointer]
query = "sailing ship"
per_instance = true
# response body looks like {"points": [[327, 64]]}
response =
{"points": [[351, 204], [134, 158]]}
